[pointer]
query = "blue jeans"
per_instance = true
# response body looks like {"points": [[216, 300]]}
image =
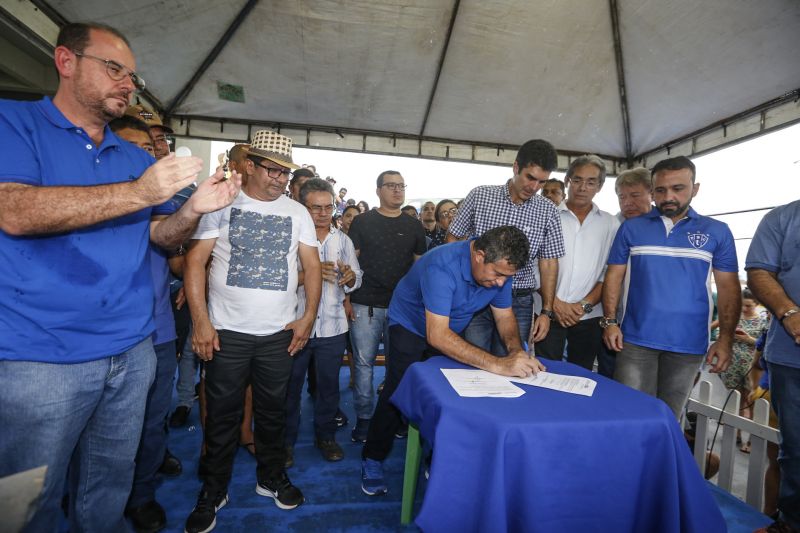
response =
{"points": [[187, 373], [482, 333], [154, 434], [84, 416], [365, 334], [784, 387], [327, 353]]}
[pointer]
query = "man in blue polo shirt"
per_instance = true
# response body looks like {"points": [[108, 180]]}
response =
{"points": [[773, 274], [76, 293], [430, 306], [671, 253]]}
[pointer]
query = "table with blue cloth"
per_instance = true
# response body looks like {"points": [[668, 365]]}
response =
{"points": [[553, 461]]}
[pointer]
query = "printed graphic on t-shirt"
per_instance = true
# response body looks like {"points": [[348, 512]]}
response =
{"points": [[259, 246]]}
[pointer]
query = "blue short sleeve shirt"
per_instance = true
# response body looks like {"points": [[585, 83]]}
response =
{"points": [[85, 294], [776, 248], [669, 304], [441, 282]]}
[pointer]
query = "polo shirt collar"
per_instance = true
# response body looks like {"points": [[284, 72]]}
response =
{"points": [[57, 118], [655, 213], [466, 263]]}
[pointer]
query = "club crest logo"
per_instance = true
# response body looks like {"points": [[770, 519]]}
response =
{"points": [[698, 240]]}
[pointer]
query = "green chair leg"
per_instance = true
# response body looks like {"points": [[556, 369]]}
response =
{"points": [[411, 475]]}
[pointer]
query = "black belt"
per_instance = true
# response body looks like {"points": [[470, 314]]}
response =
{"points": [[516, 293]]}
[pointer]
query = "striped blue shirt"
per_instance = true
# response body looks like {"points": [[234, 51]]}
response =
{"points": [[669, 304], [331, 320]]}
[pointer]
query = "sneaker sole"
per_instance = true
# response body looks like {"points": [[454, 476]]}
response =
{"points": [[374, 493], [269, 494], [213, 522]]}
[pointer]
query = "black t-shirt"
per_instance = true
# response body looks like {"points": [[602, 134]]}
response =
{"points": [[386, 246]]}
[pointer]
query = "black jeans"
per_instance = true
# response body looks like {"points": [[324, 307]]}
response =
{"points": [[327, 354], [584, 341], [265, 362], [406, 348]]}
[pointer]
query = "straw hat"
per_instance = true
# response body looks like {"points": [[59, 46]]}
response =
{"points": [[273, 146], [150, 118]]}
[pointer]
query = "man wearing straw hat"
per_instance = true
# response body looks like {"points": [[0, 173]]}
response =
{"points": [[245, 330]]}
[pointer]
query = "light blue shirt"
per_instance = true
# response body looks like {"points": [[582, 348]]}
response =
{"points": [[776, 248]]}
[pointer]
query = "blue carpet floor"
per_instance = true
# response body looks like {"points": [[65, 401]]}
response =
{"points": [[334, 501]]}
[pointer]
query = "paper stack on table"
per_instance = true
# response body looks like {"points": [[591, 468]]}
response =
{"points": [[479, 383], [559, 382]]}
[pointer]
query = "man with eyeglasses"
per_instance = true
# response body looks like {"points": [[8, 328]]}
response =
{"points": [[341, 275], [516, 203], [76, 293], [387, 243], [158, 131], [588, 234], [245, 331]]}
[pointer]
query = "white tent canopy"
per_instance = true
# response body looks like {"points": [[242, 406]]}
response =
{"points": [[465, 80]]}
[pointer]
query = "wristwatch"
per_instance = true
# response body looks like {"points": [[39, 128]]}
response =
{"points": [[548, 313], [587, 307], [787, 314], [606, 322]]}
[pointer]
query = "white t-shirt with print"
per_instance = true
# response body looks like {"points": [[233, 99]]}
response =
{"points": [[252, 284]]}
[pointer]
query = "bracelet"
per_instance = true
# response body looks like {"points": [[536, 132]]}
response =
{"points": [[787, 314]]}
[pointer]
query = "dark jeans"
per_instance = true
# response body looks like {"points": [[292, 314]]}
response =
{"points": [[327, 354], [584, 342], [265, 362], [154, 434], [784, 387], [406, 348], [606, 362]]}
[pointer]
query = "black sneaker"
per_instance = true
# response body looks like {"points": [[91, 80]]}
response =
{"points": [[341, 419], [179, 416], [171, 467], [203, 517], [360, 431], [147, 518], [286, 495]]}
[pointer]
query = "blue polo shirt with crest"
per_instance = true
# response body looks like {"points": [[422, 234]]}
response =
{"points": [[669, 304], [441, 282], [85, 294]]}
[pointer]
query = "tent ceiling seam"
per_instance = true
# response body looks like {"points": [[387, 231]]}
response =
{"points": [[442, 57], [623, 94]]}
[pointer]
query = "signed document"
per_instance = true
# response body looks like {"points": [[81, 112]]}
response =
{"points": [[479, 383], [560, 382]]}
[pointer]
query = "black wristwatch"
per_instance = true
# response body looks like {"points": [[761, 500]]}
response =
{"points": [[549, 314], [587, 307], [606, 322]]}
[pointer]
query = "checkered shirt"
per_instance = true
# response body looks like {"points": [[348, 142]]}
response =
{"points": [[490, 206]]}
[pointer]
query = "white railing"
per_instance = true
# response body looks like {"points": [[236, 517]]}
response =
{"points": [[758, 428]]}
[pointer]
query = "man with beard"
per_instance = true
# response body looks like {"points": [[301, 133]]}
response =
{"points": [[663, 336], [427, 216], [76, 294]]}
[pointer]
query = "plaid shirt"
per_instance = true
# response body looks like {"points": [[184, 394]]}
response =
{"points": [[490, 206]]}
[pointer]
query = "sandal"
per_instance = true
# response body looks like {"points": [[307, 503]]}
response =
{"points": [[745, 448]]}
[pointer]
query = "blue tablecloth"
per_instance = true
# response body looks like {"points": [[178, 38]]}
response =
{"points": [[552, 461]]}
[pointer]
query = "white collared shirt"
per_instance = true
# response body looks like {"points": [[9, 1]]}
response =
{"points": [[587, 246], [331, 320]]}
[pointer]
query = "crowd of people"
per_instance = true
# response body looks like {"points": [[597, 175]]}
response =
{"points": [[119, 266]]}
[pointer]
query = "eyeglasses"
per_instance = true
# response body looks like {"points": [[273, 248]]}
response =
{"points": [[450, 213], [589, 183], [276, 173], [116, 71], [395, 186], [317, 209]]}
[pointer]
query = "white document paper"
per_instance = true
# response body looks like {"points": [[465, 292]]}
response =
{"points": [[479, 383], [560, 382]]}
